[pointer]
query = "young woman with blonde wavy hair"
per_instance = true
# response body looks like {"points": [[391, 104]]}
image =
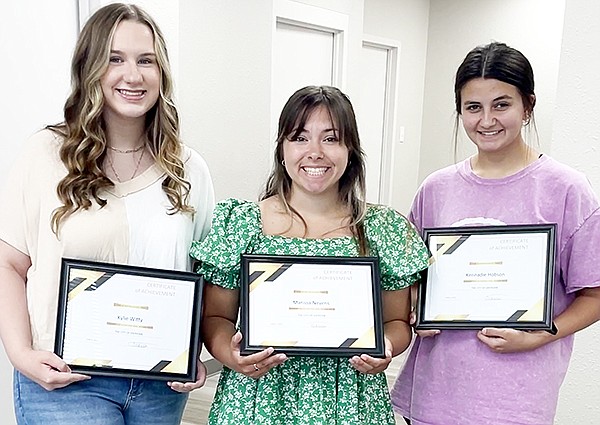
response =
{"points": [[112, 183]]}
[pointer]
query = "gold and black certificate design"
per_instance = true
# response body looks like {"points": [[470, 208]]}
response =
{"points": [[129, 321], [311, 305], [499, 276]]}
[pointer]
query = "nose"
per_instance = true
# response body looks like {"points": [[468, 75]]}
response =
{"points": [[488, 119], [315, 150], [132, 73]]}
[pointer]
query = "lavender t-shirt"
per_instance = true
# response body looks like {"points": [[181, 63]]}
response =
{"points": [[453, 378]]}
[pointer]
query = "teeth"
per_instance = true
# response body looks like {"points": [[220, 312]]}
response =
{"points": [[490, 133], [315, 171], [131, 92]]}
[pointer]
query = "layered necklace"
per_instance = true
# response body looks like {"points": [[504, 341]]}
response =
{"points": [[112, 148], [126, 151]]}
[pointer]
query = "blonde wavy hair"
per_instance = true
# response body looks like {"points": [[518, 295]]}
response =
{"points": [[83, 130]]}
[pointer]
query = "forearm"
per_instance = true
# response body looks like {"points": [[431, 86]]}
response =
{"points": [[218, 332], [396, 316], [15, 328], [218, 323], [581, 313], [43, 367], [399, 333]]}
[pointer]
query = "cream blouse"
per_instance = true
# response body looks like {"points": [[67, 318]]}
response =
{"points": [[133, 228]]}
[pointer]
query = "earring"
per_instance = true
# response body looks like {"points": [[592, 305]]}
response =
{"points": [[283, 162]]}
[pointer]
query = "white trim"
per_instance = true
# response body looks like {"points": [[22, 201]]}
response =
{"points": [[315, 18], [388, 148], [85, 9]]}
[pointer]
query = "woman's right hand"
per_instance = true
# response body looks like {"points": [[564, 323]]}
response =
{"points": [[423, 333], [255, 365], [46, 369]]}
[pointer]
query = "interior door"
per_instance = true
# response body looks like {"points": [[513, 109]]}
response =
{"points": [[375, 108]]}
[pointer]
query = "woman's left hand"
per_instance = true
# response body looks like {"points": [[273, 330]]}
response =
{"points": [[186, 387], [372, 365], [503, 340]]}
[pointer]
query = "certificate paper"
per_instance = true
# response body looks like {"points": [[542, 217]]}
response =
{"points": [[499, 276], [311, 305], [129, 321]]}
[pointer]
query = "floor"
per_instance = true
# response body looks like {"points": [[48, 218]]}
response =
{"points": [[196, 412]]}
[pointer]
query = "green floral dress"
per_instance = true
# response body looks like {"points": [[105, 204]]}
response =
{"points": [[305, 390]]}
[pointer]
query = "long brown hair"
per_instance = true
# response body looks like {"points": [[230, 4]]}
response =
{"points": [[351, 189], [83, 130]]}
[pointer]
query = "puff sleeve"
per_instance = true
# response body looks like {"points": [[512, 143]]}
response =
{"points": [[235, 226], [401, 251]]}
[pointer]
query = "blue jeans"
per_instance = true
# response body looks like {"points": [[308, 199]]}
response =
{"points": [[98, 401]]}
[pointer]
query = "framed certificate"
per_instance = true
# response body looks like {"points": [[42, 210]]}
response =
{"points": [[492, 276], [136, 322], [311, 306]]}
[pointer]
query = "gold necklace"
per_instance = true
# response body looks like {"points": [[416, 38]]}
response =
{"points": [[126, 150], [137, 167]]}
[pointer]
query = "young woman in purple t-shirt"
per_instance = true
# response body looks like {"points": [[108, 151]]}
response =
{"points": [[503, 376]]}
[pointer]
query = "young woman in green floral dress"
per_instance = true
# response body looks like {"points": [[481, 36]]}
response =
{"points": [[313, 204]]}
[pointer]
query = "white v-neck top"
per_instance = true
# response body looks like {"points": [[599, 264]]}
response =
{"points": [[133, 228]]}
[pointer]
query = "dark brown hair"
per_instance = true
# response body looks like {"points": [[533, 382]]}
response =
{"points": [[292, 120], [499, 62]]}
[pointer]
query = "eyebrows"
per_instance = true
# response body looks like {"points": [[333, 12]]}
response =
{"points": [[122, 53], [496, 99], [299, 130]]}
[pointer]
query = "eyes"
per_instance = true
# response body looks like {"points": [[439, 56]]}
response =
{"points": [[474, 107], [301, 138], [142, 61]]}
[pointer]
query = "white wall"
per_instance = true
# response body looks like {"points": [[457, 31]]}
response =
{"points": [[455, 27], [226, 71], [35, 53], [576, 141], [405, 21], [35, 68], [225, 67]]}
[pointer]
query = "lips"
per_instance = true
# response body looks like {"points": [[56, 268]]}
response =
{"points": [[131, 94], [490, 133], [315, 171]]}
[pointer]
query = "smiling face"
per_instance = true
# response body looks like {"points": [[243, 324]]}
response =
{"points": [[492, 113], [315, 158], [131, 82]]}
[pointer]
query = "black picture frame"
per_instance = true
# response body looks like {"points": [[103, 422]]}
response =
{"points": [[253, 273], [79, 346], [448, 240]]}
